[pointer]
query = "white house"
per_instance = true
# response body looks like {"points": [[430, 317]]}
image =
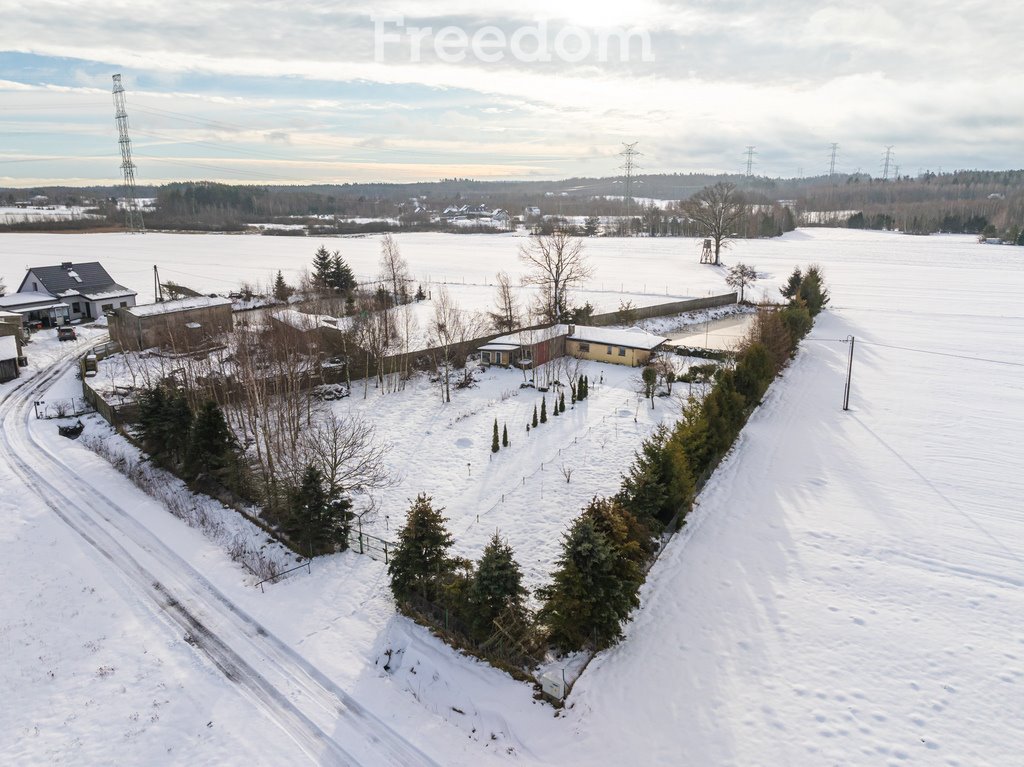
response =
{"points": [[56, 294]]}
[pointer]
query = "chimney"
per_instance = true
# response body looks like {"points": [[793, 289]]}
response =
{"points": [[572, 329], [66, 266]]}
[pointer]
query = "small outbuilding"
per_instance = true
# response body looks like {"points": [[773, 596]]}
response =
{"points": [[525, 348], [8, 358], [184, 324]]}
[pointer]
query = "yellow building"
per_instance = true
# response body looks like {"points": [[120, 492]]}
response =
{"points": [[620, 347]]}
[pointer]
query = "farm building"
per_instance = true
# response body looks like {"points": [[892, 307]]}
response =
{"points": [[53, 295], [8, 358], [183, 324]]}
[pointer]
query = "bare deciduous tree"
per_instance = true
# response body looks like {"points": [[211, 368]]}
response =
{"points": [[394, 271], [448, 330], [718, 210], [506, 317], [557, 263]]}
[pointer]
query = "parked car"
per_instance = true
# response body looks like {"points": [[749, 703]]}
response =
{"points": [[66, 333]]}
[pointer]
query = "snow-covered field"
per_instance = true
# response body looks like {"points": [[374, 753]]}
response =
{"points": [[850, 590], [646, 271]]}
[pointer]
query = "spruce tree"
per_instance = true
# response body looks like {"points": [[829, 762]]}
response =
{"points": [[534, 422], [281, 289], [504, 435], [341, 277], [497, 586], [312, 524], [152, 409], [177, 425], [495, 446], [420, 295], [209, 443], [323, 264], [789, 290], [544, 410], [586, 387], [554, 407], [421, 560], [561, 401], [587, 599]]}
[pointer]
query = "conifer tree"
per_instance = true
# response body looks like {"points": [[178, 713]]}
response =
{"points": [[504, 435], [789, 290], [420, 295], [587, 599], [210, 441], [314, 523], [341, 277], [534, 422], [554, 407], [323, 264], [561, 401], [177, 425], [421, 559], [495, 446], [497, 586], [281, 289], [813, 292], [544, 410]]}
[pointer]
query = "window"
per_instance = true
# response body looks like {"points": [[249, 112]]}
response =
{"points": [[609, 351], [622, 351], [76, 307], [35, 287], [107, 307], [486, 358], [124, 304], [497, 358], [584, 347]]}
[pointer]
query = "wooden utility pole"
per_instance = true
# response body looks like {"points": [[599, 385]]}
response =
{"points": [[849, 375]]}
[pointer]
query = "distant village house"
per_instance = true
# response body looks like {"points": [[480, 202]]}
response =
{"points": [[56, 295]]}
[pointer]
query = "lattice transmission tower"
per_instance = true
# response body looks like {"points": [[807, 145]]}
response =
{"points": [[629, 168], [132, 212]]}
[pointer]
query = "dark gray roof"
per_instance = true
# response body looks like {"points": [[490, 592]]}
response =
{"points": [[93, 278]]}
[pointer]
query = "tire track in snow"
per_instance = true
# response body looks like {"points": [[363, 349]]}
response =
{"points": [[296, 695]]}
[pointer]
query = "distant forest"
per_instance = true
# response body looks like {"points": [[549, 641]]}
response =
{"points": [[989, 203]]}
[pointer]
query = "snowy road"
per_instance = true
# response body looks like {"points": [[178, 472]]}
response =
{"points": [[325, 722]]}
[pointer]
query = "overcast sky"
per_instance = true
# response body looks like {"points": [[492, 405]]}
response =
{"points": [[304, 91]]}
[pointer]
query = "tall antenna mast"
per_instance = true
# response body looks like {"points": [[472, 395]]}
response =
{"points": [[750, 161], [832, 172], [629, 167], [132, 213]]}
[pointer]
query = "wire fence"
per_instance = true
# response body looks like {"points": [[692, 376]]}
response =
{"points": [[62, 408]]}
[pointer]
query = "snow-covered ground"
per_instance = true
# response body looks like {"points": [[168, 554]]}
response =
{"points": [[848, 592], [14, 215]]}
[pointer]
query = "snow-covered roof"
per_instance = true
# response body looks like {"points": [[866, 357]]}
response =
{"points": [[633, 338], [495, 347], [303, 321], [528, 337], [9, 316], [27, 298], [114, 291], [8, 348], [177, 305]]}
